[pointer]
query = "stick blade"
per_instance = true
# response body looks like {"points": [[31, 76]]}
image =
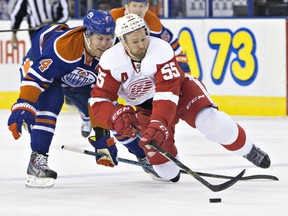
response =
{"points": [[225, 185], [259, 177]]}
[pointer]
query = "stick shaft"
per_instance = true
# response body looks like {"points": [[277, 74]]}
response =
{"points": [[16, 30], [148, 166], [123, 160], [30, 29]]}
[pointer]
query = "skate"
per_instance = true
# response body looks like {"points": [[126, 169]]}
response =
{"points": [[151, 172], [39, 174], [258, 157], [86, 128]]}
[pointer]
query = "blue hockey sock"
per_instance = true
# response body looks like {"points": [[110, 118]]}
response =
{"points": [[132, 145]]}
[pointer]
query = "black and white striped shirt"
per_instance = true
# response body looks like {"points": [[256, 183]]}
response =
{"points": [[39, 12]]}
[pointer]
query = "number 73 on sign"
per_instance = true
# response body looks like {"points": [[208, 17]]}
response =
{"points": [[235, 52]]}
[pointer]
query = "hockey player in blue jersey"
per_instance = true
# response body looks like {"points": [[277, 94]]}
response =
{"points": [[59, 59]]}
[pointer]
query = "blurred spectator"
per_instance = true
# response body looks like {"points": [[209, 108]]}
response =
{"points": [[4, 14], [270, 7], [85, 5], [71, 7], [102, 5], [178, 8], [156, 7], [111, 3]]}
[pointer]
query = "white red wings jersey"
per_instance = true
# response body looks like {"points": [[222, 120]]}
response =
{"points": [[157, 76]]}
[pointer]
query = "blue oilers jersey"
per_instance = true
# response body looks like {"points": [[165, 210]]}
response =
{"points": [[57, 52]]}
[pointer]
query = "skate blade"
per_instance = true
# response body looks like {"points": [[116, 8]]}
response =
{"points": [[35, 182], [155, 178]]}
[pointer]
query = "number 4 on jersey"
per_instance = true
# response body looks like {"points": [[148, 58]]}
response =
{"points": [[44, 64]]}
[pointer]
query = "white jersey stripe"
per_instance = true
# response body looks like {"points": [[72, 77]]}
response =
{"points": [[48, 129], [33, 72], [97, 100], [30, 83], [166, 96], [47, 113]]}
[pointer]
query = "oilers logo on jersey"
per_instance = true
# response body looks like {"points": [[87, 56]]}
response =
{"points": [[79, 77]]}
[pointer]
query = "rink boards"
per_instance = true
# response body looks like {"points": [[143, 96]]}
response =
{"points": [[242, 62]]}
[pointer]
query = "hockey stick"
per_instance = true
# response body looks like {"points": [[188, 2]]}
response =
{"points": [[123, 160], [148, 166], [243, 178], [30, 29], [16, 30], [214, 188]]}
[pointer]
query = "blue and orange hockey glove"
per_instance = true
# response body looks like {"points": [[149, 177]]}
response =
{"points": [[105, 146], [23, 113]]}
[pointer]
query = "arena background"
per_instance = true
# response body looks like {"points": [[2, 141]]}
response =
{"points": [[242, 62]]}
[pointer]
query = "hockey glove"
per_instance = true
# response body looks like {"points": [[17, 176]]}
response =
{"points": [[23, 113], [183, 62], [157, 132], [106, 147], [123, 117]]}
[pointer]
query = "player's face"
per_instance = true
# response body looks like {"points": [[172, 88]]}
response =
{"points": [[100, 43], [138, 8], [137, 42]]}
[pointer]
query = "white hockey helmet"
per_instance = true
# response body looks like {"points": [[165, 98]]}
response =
{"points": [[129, 23]]}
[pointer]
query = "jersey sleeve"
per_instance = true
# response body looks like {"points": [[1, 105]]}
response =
{"points": [[117, 12], [168, 80], [59, 56], [103, 95], [153, 22]]}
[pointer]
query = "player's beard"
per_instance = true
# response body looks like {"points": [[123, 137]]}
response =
{"points": [[140, 54]]}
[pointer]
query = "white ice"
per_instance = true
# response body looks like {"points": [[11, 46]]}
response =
{"points": [[84, 188]]}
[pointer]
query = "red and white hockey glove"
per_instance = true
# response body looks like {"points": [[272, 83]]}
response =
{"points": [[157, 132], [123, 118], [23, 113]]}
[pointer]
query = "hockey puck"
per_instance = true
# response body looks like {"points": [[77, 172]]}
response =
{"points": [[215, 200]]}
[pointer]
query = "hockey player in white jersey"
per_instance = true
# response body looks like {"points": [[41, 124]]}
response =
{"points": [[144, 72]]}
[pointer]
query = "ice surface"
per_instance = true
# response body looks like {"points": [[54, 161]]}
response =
{"points": [[84, 188]]}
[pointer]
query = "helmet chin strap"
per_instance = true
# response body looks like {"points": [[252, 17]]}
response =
{"points": [[133, 57], [88, 43]]}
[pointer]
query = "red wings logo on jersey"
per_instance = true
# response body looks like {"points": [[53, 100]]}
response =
{"points": [[138, 88]]}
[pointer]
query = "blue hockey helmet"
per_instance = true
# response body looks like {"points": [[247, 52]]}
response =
{"points": [[99, 22]]}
